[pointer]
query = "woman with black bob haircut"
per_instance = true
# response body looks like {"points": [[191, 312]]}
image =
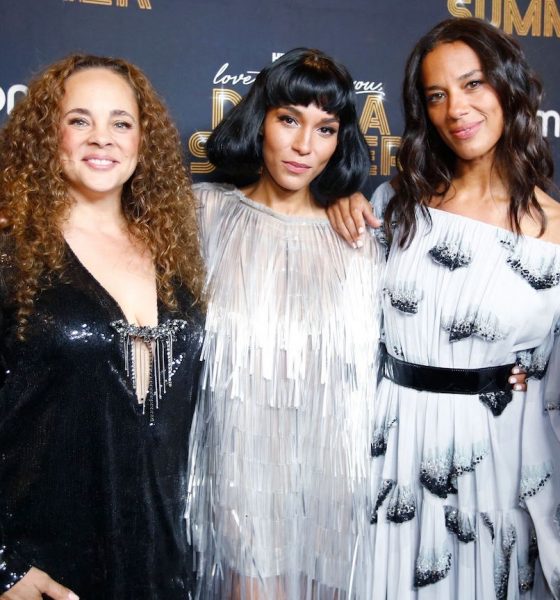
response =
{"points": [[466, 469], [279, 466], [301, 77]]}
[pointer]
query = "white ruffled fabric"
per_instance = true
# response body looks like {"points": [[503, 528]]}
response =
{"points": [[280, 462], [467, 487]]}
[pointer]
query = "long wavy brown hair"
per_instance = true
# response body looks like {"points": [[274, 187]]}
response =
{"points": [[427, 165], [157, 201]]}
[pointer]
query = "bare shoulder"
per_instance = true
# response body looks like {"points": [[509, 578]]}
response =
{"points": [[551, 208]]}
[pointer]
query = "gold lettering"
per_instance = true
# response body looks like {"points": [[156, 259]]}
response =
{"points": [[197, 147], [372, 142], [373, 115], [104, 2], [389, 147], [219, 98], [532, 21], [480, 11], [551, 19], [456, 8], [143, 4], [197, 141]]}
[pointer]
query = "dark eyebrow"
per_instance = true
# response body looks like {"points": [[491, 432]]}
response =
{"points": [[297, 112], [114, 113], [460, 78]]}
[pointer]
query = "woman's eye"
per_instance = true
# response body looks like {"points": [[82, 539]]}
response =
{"points": [[123, 125], [78, 121], [287, 119], [435, 97], [328, 130], [472, 85]]}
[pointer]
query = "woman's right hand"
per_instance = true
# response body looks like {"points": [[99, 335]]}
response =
{"points": [[348, 217], [36, 583]]}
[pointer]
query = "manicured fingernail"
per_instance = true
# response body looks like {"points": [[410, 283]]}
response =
{"points": [[72, 596], [361, 230], [518, 387], [512, 379], [516, 370], [359, 243], [354, 245]]}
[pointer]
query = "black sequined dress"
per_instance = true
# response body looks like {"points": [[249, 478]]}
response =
{"points": [[92, 487]]}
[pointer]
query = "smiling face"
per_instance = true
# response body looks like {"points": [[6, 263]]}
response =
{"points": [[99, 134], [462, 106], [298, 142]]}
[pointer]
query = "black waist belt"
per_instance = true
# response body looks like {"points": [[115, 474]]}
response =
{"points": [[446, 381]]}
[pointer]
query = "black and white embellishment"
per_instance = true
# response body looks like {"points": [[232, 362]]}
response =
{"points": [[488, 522], [539, 278], [436, 475], [534, 361], [502, 564], [526, 574], [496, 401], [386, 486], [158, 342], [450, 255], [460, 524], [431, 567], [379, 440], [402, 505], [484, 326], [507, 240], [404, 299], [533, 479]]}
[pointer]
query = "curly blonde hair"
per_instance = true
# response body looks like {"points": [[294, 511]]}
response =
{"points": [[157, 200]]}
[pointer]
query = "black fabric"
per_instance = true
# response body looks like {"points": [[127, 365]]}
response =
{"points": [[90, 492], [446, 381]]}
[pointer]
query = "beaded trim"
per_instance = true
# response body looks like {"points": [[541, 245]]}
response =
{"points": [[159, 343]]}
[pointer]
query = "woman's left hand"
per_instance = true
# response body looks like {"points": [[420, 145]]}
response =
{"points": [[518, 379]]}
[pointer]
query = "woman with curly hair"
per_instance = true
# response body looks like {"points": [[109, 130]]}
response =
{"points": [[466, 471], [100, 278]]}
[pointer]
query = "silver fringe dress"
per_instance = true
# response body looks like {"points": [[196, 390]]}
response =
{"points": [[280, 444]]}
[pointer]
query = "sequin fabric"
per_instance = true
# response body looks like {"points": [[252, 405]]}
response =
{"points": [[404, 299], [474, 463], [402, 505], [451, 255], [460, 524], [486, 327], [502, 568], [91, 492], [431, 567], [279, 477], [496, 401], [533, 478]]}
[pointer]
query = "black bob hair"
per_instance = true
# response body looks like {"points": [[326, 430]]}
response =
{"points": [[302, 76]]}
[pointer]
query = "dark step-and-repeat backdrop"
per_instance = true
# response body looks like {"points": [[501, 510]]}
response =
{"points": [[203, 54]]}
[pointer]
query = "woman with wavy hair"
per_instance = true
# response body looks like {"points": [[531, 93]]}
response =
{"points": [[100, 278], [279, 471], [466, 471]]}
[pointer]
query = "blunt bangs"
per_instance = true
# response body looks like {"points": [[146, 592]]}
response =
{"points": [[310, 84]]}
